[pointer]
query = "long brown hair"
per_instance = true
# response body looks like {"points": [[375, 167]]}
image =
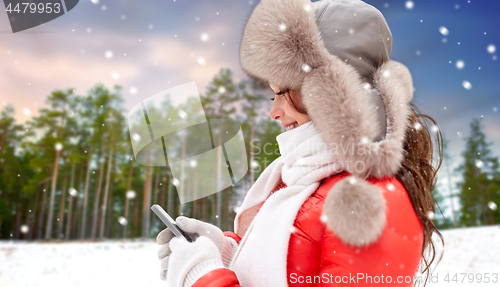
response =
{"points": [[417, 173], [419, 176]]}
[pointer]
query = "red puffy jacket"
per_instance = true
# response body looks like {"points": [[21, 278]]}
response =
{"points": [[317, 257]]}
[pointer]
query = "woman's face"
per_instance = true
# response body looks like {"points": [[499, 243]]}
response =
{"points": [[284, 112]]}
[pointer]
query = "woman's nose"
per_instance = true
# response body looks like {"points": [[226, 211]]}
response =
{"points": [[276, 112]]}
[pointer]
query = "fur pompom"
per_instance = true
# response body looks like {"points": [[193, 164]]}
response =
{"points": [[355, 211]]}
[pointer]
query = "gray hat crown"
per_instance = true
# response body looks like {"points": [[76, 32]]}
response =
{"points": [[356, 32]]}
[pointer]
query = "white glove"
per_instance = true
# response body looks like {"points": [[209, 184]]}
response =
{"points": [[186, 262], [226, 245]]}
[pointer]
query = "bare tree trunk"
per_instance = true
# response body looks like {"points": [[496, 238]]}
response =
{"points": [[127, 200], [42, 213], [170, 197], [136, 216], [195, 191], [164, 182], [181, 179], [48, 229], [27, 218], [147, 201], [106, 188], [17, 224], [69, 218], [62, 206], [156, 183], [85, 196], [97, 195], [32, 211], [109, 210]]}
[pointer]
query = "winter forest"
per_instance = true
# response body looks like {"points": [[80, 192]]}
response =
{"points": [[69, 173]]}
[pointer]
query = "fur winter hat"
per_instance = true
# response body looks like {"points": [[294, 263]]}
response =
{"points": [[284, 43]]}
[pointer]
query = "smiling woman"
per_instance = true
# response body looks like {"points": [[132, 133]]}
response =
{"points": [[288, 108], [351, 192]]}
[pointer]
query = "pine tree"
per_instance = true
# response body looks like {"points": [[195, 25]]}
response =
{"points": [[479, 194]]}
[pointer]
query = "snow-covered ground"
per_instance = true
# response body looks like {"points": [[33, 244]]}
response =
{"points": [[134, 263]]}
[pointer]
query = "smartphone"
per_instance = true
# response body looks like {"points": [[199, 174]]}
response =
{"points": [[169, 222]]}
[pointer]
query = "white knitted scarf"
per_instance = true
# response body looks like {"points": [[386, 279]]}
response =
{"points": [[261, 257]]}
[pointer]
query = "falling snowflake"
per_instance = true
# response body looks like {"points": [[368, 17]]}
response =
{"points": [[352, 180], [27, 111], [430, 214], [221, 90], [418, 126], [204, 37], [460, 64], [201, 61], [492, 205], [444, 31], [24, 228], [306, 68], [182, 114], [108, 54], [435, 129], [95, 1], [308, 7], [409, 5], [176, 182], [491, 49], [479, 164], [115, 75], [254, 164], [282, 27], [495, 109], [323, 218], [122, 220], [193, 163], [467, 85], [130, 194], [136, 137], [390, 187], [73, 192], [132, 90], [59, 146]]}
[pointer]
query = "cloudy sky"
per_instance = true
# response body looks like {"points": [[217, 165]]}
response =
{"points": [[151, 45]]}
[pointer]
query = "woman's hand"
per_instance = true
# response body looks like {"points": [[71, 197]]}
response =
{"points": [[185, 262], [227, 246]]}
